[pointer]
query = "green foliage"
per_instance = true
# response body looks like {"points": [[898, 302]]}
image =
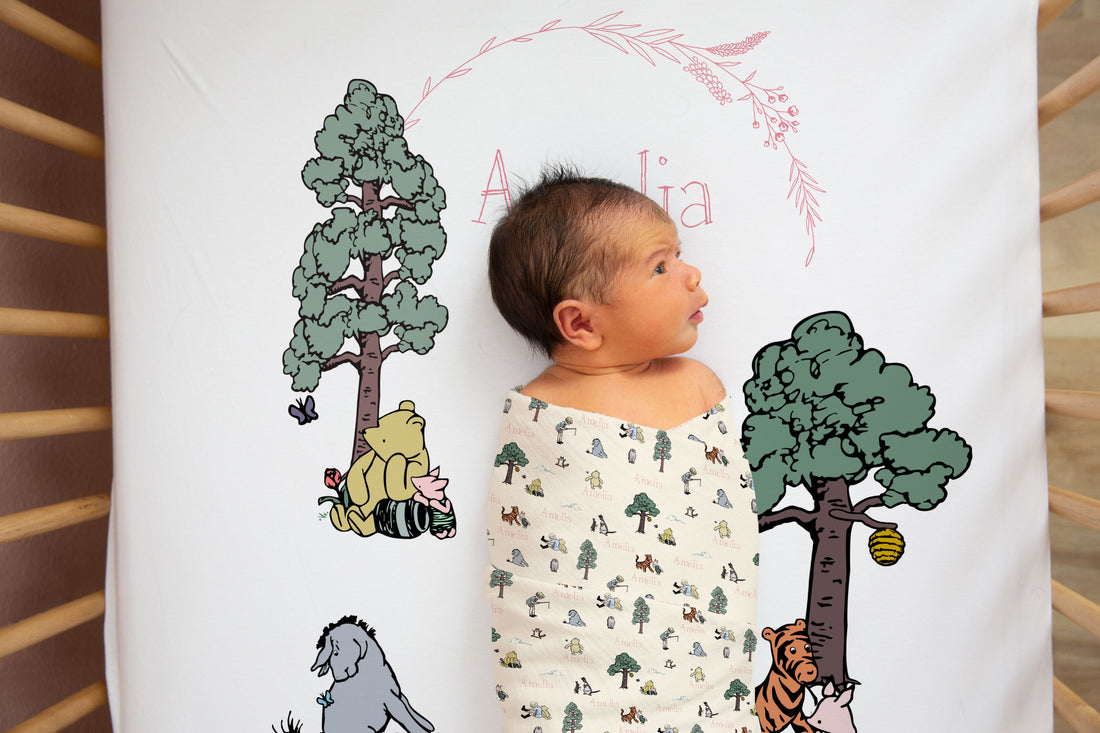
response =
{"points": [[824, 407], [750, 642], [587, 558], [641, 611], [718, 600], [737, 688], [623, 663], [494, 635], [499, 577], [662, 448], [511, 453], [572, 718], [642, 504], [362, 154]]}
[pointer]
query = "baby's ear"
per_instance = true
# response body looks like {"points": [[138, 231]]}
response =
{"points": [[574, 321]]}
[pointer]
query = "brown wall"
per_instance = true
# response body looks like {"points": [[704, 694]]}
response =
{"points": [[36, 373]]}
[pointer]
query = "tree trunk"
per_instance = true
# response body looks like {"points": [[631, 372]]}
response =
{"points": [[827, 597], [501, 594], [641, 522], [369, 362], [625, 672], [511, 467]]}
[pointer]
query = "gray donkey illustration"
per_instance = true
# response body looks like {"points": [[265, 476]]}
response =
{"points": [[365, 694]]}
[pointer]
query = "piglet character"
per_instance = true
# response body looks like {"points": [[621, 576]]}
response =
{"points": [[832, 714]]}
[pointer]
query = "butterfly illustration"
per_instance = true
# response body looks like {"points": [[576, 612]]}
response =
{"points": [[325, 699], [303, 410]]}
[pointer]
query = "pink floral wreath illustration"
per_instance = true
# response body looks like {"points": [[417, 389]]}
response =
{"points": [[770, 109]]}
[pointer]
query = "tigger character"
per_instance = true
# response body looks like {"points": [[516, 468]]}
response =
{"points": [[511, 517], [779, 697], [629, 716]]}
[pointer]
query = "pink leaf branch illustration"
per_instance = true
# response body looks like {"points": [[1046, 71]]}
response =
{"points": [[704, 64]]}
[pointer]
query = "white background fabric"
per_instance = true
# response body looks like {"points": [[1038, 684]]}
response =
{"points": [[919, 123]]}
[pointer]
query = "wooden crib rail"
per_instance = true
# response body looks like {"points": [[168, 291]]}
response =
{"points": [[42, 27], [1084, 510], [25, 322]]}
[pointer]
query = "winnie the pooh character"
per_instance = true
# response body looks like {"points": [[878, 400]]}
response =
{"points": [[380, 483]]}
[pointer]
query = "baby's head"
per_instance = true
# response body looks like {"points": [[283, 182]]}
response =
{"points": [[561, 240]]}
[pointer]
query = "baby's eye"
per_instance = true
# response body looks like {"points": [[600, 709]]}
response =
{"points": [[660, 269]]}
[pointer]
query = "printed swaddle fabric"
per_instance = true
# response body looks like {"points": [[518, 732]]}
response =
{"points": [[623, 571]]}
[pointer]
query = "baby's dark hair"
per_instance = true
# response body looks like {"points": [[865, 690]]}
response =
{"points": [[557, 242]]}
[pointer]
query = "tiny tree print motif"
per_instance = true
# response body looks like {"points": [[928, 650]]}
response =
{"points": [[644, 507], [641, 613], [718, 601], [737, 691], [824, 413], [536, 405], [498, 579], [662, 450], [587, 559], [625, 665], [573, 717], [750, 643], [511, 456], [384, 222]]}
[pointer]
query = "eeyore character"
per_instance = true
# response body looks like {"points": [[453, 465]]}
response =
{"points": [[365, 694]]}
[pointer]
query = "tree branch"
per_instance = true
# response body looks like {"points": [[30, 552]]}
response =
{"points": [[347, 357], [389, 350], [390, 277], [783, 516], [869, 503], [351, 281], [395, 201], [862, 518], [354, 199]]}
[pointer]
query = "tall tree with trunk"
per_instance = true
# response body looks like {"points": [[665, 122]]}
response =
{"points": [[358, 275], [824, 412]]}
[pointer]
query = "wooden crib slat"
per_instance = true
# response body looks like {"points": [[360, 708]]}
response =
{"points": [[32, 123], [1077, 87], [1081, 509], [68, 711], [23, 322], [40, 423], [1065, 302], [1070, 197], [33, 522], [1049, 10], [49, 624], [1074, 710], [19, 220], [1076, 608], [1073, 403], [42, 27]]}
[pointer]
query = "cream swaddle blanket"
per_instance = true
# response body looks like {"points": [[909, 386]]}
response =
{"points": [[623, 571]]}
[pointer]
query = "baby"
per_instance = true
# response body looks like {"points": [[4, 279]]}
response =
{"points": [[625, 505]]}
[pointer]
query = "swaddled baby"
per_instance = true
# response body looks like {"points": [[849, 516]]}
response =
{"points": [[622, 534]]}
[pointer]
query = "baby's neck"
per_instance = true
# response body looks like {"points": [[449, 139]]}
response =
{"points": [[658, 393]]}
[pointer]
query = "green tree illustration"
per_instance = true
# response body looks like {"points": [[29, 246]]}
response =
{"points": [[824, 412], [537, 406], [697, 728], [750, 643], [498, 579], [662, 449], [587, 559], [495, 636], [358, 275], [641, 613], [511, 455], [737, 690], [718, 600], [625, 665], [572, 720], [644, 507]]}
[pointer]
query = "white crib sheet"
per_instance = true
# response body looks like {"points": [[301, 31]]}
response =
{"points": [[872, 161]]}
